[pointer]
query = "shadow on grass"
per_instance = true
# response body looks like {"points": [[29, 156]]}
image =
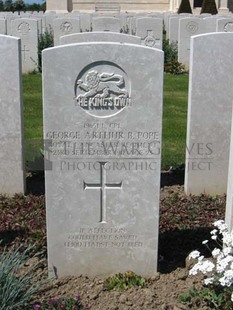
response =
{"points": [[35, 183], [173, 177], [175, 246], [7, 237]]}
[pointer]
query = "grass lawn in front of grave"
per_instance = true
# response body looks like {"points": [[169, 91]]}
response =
{"points": [[174, 117], [174, 120], [32, 100], [33, 115]]}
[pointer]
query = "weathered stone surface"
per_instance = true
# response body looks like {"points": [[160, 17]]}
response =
{"points": [[188, 27], [106, 24], [99, 37], [151, 31], [65, 26], [102, 189], [27, 30], [209, 114], [2, 26], [224, 25], [11, 115]]}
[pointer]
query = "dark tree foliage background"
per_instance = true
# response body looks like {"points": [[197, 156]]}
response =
{"points": [[20, 5]]}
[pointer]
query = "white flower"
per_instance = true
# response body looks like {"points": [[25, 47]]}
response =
{"points": [[227, 251], [208, 281], [232, 297], [226, 239], [205, 241], [218, 223], [223, 263], [227, 279], [200, 258], [207, 266], [213, 232], [194, 270], [216, 252], [214, 237], [194, 254]]}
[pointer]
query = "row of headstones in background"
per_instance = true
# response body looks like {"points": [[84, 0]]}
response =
{"points": [[150, 29], [127, 21], [28, 29], [181, 27], [12, 170]]}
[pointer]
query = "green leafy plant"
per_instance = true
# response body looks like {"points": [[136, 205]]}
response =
{"points": [[16, 284], [171, 63], [123, 281], [45, 40], [65, 303]]}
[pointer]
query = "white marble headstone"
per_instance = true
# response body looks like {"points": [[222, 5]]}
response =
{"points": [[102, 122], [106, 24], [99, 37], [151, 31], [225, 25], [173, 29], [27, 30], [12, 172], [65, 26], [188, 27], [209, 113]]}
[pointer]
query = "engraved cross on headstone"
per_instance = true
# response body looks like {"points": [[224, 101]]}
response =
{"points": [[24, 51], [103, 186]]}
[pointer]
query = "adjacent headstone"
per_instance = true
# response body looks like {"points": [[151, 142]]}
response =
{"points": [[85, 22], [103, 121], [151, 31], [229, 200], [173, 29], [27, 30], [210, 24], [106, 24], [225, 25], [65, 26], [2, 26], [188, 27], [99, 37], [12, 173], [209, 114]]}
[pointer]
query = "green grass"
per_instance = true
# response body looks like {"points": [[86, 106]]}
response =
{"points": [[174, 117], [33, 116]]}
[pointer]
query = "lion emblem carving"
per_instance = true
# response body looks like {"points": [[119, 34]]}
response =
{"points": [[102, 85]]}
